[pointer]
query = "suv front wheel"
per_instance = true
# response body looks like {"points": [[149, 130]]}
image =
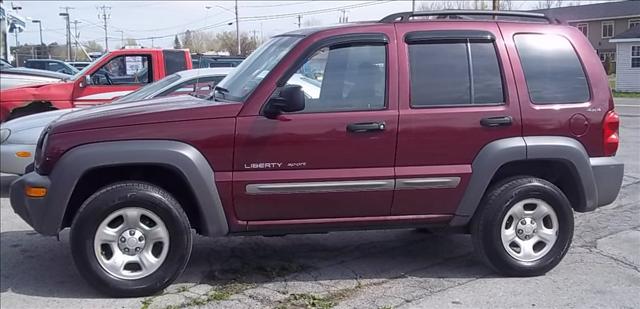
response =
{"points": [[131, 239], [524, 226]]}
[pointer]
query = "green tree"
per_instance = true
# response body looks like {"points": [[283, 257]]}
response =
{"points": [[176, 42]]}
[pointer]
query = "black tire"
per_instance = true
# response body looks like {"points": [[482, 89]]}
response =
{"points": [[486, 225], [130, 194]]}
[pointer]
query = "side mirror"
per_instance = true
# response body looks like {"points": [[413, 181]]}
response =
{"points": [[85, 82], [289, 100]]}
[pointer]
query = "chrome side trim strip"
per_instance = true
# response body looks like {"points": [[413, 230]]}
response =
{"points": [[427, 183], [321, 186]]}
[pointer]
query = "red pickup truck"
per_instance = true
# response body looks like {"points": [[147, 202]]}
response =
{"points": [[107, 78]]}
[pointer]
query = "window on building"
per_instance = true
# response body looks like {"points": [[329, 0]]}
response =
{"points": [[634, 23], [454, 73], [584, 28], [552, 69], [635, 56], [607, 29]]}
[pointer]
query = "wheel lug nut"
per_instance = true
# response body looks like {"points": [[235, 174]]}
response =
{"points": [[535, 231], [527, 237], [141, 238], [523, 222], [137, 249], [126, 249], [122, 239], [132, 232], [520, 232]]}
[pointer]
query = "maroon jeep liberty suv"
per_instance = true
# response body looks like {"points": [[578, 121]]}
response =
{"points": [[499, 124]]}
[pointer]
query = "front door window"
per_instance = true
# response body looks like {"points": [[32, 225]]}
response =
{"points": [[124, 70]]}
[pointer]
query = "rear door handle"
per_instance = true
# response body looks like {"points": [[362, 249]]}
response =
{"points": [[501, 121], [366, 127]]}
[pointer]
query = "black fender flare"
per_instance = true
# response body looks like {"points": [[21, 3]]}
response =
{"points": [[184, 158], [500, 152]]}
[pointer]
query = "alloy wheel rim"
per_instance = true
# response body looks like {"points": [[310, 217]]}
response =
{"points": [[529, 230], [131, 243]]}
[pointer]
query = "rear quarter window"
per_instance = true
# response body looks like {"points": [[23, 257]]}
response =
{"points": [[174, 61], [552, 70]]}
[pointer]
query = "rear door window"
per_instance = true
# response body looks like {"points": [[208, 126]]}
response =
{"points": [[454, 73], [552, 69], [174, 61]]}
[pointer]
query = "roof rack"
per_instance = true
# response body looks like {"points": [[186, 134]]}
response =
{"points": [[406, 16]]}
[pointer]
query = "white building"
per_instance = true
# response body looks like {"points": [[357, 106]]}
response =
{"points": [[628, 60]]}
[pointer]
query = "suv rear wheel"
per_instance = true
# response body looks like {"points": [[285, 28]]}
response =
{"points": [[131, 239], [524, 226]]}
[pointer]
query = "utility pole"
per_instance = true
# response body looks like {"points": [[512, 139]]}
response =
{"points": [[496, 5], [76, 35], [413, 5], [67, 19], [40, 51], [238, 30], [106, 14], [299, 21]]}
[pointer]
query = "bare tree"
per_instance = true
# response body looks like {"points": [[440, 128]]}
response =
{"points": [[506, 5], [444, 5], [549, 4]]}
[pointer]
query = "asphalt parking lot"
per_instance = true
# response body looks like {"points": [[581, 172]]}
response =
{"points": [[373, 269]]}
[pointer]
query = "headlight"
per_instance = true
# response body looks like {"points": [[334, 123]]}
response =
{"points": [[4, 134], [41, 148]]}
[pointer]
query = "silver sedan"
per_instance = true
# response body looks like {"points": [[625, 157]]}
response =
{"points": [[18, 137]]}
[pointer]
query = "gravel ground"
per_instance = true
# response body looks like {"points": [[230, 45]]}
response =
{"points": [[373, 269]]}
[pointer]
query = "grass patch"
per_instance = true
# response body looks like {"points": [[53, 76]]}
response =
{"points": [[307, 301], [626, 94], [311, 301], [146, 303]]}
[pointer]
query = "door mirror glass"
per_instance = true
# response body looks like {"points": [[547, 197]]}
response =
{"points": [[290, 99], [86, 81]]}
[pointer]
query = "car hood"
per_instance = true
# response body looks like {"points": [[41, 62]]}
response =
{"points": [[39, 120], [174, 108], [54, 91]]}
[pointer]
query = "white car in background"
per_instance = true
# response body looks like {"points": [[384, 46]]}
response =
{"points": [[18, 137]]}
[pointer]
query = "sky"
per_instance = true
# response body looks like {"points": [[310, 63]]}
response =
{"points": [[142, 20]]}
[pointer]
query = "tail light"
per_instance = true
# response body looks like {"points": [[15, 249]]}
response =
{"points": [[610, 138]]}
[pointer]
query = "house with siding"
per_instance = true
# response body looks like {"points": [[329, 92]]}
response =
{"points": [[600, 22], [628, 62]]}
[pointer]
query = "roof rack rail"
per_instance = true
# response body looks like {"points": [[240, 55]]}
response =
{"points": [[405, 16]]}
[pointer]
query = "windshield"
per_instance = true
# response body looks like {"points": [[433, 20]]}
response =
{"points": [[149, 89], [87, 68], [238, 85]]}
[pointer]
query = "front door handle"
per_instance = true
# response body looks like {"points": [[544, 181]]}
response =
{"points": [[491, 122], [366, 127]]}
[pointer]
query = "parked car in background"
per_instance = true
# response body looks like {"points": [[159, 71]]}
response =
{"points": [[211, 61], [115, 74], [500, 127], [4, 64], [53, 65], [11, 77], [18, 140], [79, 64], [18, 137]]}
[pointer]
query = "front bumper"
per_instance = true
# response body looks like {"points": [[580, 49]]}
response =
{"points": [[11, 163], [607, 175], [34, 211]]}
